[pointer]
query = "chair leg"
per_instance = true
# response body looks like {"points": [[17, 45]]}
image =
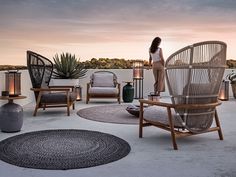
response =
{"points": [[73, 106], [37, 103], [172, 129], [68, 104], [218, 125], [87, 99], [141, 121], [68, 111], [35, 110]]}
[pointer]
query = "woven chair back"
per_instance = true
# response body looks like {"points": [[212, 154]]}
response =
{"points": [[194, 76], [40, 70]]}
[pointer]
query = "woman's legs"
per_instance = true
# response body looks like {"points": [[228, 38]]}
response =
{"points": [[155, 74], [159, 76]]}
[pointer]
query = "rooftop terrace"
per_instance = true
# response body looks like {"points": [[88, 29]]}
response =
{"points": [[198, 156]]}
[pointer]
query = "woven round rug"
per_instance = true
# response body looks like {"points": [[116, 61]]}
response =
{"points": [[109, 114], [62, 149]]}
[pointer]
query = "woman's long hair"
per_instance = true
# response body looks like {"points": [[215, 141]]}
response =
{"points": [[155, 43]]}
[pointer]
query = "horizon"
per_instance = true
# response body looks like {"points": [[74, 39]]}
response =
{"points": [[110, 28]]}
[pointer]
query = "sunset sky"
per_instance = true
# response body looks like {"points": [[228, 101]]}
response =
{"points": [[111, 28]]}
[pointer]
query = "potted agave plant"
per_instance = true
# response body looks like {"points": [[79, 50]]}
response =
{"points": [[67, 70], [232, 77]]}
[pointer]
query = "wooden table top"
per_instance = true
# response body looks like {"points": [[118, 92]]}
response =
{"points": [[12, 97]]}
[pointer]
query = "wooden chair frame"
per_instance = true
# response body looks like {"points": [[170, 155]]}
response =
{"points": [[33, 60], [65, 89], [176, 132], [112, 96]]}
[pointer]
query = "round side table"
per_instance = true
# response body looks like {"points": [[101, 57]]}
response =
{"points": [[128, 92], [11, 115]]}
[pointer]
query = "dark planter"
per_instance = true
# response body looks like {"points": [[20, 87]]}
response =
{"points": [[128, 93]]}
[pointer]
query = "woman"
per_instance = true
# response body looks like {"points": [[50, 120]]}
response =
{"points": [[156, 56]]}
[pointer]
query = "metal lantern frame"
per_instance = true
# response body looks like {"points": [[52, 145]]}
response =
{"points": [[13, 83], [138, 66], [138, 75]]}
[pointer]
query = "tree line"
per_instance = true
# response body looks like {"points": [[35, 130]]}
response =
{"points": [[106, 63]]}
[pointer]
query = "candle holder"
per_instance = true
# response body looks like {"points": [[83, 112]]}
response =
{"points": [[5, 93], [13, 83], [224, 91], [78, 91], [153, 97]]}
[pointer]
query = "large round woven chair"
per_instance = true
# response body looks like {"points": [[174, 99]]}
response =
{"points": [[194, 75]]}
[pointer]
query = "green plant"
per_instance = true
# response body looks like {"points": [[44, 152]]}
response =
{"points": [[232, 77], [68, 67]]}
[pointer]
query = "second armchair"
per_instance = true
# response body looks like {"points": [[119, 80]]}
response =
{"points": [[103, 84]]}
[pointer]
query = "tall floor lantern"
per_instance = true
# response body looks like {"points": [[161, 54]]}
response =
{"points": [[138, 75]]}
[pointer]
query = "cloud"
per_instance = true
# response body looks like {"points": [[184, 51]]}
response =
{"points": [[48, 23]]}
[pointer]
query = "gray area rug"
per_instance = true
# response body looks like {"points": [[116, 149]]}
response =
{"points": [[109, 113], [62, 149]]}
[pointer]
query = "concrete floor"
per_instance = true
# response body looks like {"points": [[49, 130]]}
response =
{"points": [[152, 156]]}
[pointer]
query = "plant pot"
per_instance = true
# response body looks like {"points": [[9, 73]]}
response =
{"points": [[64, 82], [128, 93]]}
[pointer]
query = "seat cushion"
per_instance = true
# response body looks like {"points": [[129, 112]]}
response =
{"points": [[58, 97], [103, 80], [159, 114], [103, 91]]}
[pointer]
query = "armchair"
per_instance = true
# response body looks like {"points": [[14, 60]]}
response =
{"points": [[40, 71], [194, 75], [103, 84]]}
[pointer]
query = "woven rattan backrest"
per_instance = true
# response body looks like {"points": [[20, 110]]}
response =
{"points": [[40, 69], [194, 75]]}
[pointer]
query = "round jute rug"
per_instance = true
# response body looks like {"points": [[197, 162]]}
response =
{"points": [[62, 149], [109, 113]]}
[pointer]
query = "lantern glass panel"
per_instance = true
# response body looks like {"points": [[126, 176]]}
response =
{"points": [[224, 91], [138, 69], [13, 83], [78, 91]]}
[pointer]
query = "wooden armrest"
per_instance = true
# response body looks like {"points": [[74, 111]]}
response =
{"points": [[50, 89], [181, 106], [64, 86], [162, 104]]}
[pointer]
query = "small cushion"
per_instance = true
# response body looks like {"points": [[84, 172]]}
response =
{"points": [[103, 91], [159, 114], [103, 80], [57, 97]]}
